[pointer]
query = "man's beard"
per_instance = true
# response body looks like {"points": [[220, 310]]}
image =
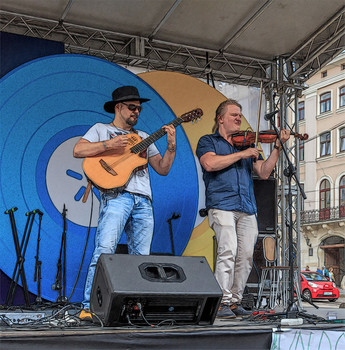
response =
{"points": [[132, 121]]}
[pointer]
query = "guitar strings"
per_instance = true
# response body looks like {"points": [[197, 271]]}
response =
{"points": [[141, 146]]}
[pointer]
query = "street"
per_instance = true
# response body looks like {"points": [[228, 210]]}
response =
{"points": [[325, 307]]}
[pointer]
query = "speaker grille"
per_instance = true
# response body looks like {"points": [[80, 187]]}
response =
{"points": [[157, 309]]}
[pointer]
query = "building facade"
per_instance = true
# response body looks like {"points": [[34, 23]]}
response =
{"points": [[321, 114]]}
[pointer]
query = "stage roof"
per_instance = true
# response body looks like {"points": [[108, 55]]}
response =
{"points": [[241, 42]]}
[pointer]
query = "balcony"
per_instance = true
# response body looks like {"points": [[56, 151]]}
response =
{"points": [[323, 215]]}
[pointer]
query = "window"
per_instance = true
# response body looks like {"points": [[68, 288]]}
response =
{"points": [[325, 102], [324, 74], [343, 66], [301, 150], [301, 110], [325, 144], [342, 140], [342, 96], [325, 200], [342, 197], [314, 276]]}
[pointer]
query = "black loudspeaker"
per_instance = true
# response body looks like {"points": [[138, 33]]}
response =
{"points": [[137, 289], [265, 195]]}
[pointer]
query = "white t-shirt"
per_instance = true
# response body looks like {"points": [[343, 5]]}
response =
{"points": [[140, 180]]}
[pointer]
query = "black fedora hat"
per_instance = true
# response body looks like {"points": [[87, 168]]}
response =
{"points": [[122, 94]]}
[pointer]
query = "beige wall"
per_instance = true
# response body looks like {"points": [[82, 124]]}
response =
{"points": [[315, 168]]}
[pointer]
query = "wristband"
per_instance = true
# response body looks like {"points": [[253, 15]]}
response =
{"points": [[276, 147]]}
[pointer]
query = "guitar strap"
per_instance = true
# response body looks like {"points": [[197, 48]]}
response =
{"points": [[87, 191]]}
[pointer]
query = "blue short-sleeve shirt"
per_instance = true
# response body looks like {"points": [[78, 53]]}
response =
{"points": [[230, 188]]}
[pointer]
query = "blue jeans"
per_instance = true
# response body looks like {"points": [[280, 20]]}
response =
{"points": [[127, 212]]}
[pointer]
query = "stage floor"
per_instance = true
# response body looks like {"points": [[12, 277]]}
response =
{"points": [[59, 328]]}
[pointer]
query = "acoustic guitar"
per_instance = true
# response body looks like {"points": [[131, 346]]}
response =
{"points": [[112, 170]]}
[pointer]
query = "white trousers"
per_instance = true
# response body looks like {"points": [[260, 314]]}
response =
{"points": [[236, 235]]}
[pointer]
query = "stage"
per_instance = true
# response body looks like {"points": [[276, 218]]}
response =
{"points": [[58, 327]]}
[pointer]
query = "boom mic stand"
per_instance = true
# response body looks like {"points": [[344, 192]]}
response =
{"points": [[60, 278], [289, 172]]}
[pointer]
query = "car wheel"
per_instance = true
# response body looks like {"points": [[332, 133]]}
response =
{"points": [[333, 300], [306, 294]]}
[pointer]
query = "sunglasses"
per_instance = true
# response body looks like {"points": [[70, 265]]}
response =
{"points": [[133, 107]]}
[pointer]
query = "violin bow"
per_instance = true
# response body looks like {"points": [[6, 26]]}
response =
{"points": [[258, 120]]}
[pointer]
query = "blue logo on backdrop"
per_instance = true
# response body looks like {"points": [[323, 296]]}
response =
{"points": [[46, 105]]}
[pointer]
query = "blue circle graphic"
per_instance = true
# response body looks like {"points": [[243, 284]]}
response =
{"points": [[46, 106]]}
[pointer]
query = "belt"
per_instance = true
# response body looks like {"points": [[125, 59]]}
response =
{"points": [[116, 192]]}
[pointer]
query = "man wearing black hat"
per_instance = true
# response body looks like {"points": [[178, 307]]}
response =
{"points": [[127, 209]]}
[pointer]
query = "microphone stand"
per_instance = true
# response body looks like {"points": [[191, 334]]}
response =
{"points": [[38, 263], [60, 278], [289, 172], [173, 217], [19, 267]]}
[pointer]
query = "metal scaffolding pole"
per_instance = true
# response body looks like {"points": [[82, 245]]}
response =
{"points": [[283, 96]]}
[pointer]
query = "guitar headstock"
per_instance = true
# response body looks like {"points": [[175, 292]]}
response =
{"points": [[192, 115]]}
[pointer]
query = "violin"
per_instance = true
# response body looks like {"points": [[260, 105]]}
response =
{"points": [[247, 138]]}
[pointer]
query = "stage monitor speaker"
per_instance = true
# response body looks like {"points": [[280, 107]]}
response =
{"points": [[137, 289], [265, 195]]}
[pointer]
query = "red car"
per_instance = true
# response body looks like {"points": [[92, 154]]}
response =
{"points": [[314, 285]]}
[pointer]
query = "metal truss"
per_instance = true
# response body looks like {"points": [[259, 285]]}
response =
{"points": [[320, 48], [285, 99], [152, 54], [136, 51]]}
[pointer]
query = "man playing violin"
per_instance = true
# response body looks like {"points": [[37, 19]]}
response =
{"points": [[129, 208], [230, 202]]}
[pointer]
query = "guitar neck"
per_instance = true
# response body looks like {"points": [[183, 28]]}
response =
{"points": [[144, 144]]}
